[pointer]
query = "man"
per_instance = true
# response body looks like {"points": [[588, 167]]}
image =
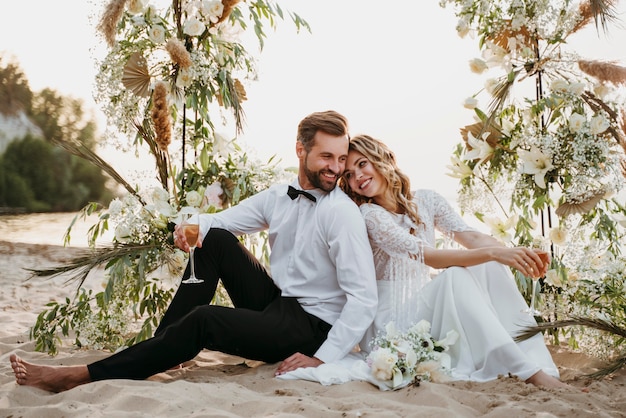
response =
{"points": [[314, 308]]}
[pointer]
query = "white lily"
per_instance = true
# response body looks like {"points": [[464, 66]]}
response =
{"points": [[458, 168], [536, 163], [500, 229], [481, 150]]}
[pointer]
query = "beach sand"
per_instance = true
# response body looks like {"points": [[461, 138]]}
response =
{"points": [[218, 385]]}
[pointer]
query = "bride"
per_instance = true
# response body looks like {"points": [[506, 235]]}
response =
{"points": [[475, 293]]}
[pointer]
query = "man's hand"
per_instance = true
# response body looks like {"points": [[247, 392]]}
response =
{"points": [[297, 361]]}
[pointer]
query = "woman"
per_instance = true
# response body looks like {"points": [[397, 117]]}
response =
{"points": [[475, 294]]}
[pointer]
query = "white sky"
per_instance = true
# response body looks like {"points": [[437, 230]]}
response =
{"points": [[398, 73]]}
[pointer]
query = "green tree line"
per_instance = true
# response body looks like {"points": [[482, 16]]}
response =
{"points": [[36, 175]]}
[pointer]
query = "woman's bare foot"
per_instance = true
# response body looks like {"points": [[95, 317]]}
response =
{"points": [[50, 378], [542, 379]]}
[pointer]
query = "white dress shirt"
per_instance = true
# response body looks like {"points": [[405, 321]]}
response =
{"points": [[320, 254]]}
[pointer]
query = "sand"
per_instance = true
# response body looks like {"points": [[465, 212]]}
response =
{"points": [[218, 385]]}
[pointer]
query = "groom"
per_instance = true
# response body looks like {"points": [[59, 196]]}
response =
{"points": [[313, 308]]}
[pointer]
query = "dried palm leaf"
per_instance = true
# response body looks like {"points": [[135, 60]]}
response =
{"points": [[80, 150], [79, 267], [604, 71], [604, 325], [572, 208], [502, 38], [143, 130], [477, 129], [136, 76], [603, 12]]}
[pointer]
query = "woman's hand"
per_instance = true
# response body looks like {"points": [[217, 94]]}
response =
{"points": [[531, 262]]}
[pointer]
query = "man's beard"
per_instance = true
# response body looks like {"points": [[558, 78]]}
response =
{"points": [[315, 178]]}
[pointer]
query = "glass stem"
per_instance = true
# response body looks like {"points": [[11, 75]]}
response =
{"points": [[191, 264]]}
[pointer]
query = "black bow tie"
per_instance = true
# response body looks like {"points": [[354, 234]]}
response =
{"points": [[293, 193]]}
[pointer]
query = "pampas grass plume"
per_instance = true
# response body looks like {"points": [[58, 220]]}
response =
{"points": [[108, 23], [604, 71], [161, 116], [178, 53]]}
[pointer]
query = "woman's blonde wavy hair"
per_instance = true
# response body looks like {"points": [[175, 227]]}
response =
{"points": [[384, 161]]}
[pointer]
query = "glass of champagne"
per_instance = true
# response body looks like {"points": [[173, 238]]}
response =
{"points": [[531, 310], [191, 231]]}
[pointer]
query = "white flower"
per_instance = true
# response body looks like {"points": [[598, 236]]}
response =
{"points": [[470, 103], [601, 90], [122, 233], [558, 236], [156, 34], [462, 28], [576, 122], [421, 328], [383, 361], [222, 146], [185, 77], [507, 126], [577, 88], [136, 6], [478, 66], [450, 339], [193, 27], [598, 124], [500, 229], [553, 278], [212, 195], [115, 207], [159, 194], [164, 208], [212, 9], [481, 150], [490, 85], [391, 330], [559, 86], [536, 163], [459, 169], [193, 198]]}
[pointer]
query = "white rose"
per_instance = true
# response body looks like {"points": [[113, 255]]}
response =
{"points": [[193, 27], [598, 124], [478, 66], [156, 34], [470, 103], [212, 9], [576, 122], [193, 198], [558, 236], [136, 6], [185, 77], [382, 363], [122, 233], [159, 194]]}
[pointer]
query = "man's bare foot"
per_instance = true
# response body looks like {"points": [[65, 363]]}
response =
{"points": [[542, 379], [50, 378]]}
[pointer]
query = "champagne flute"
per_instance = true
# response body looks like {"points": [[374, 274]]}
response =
{"points": [[531, 310], [191, 231]]}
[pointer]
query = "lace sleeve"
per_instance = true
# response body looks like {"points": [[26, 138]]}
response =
{"points": [[446, 219], [387, 234]]}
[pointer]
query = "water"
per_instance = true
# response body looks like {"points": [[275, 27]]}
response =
{"points": [[47, 228]]}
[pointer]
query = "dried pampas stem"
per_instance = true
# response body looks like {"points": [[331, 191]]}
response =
{"points": [[604, 71], [161, 116], [178, 53], [108, 23]]}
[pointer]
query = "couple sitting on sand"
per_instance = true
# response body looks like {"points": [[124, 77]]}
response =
{"points": [[333, 268]]}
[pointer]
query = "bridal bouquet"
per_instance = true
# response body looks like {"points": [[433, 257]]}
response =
{"points": [[398, 359]]}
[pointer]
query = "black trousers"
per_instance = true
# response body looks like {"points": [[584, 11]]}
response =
{"points": [[263, 325]]}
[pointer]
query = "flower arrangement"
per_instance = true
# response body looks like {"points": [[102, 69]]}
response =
{"points": [[548, 151], [398, 359], [172, 82]]}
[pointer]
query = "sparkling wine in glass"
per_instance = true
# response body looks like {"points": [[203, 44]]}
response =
{"points": [[531, 310], [191, 231]]}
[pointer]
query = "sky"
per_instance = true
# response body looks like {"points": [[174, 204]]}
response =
{"points": [[397, 70]]}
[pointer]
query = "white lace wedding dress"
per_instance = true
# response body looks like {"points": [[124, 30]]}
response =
{"points": [[481, 303]]}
